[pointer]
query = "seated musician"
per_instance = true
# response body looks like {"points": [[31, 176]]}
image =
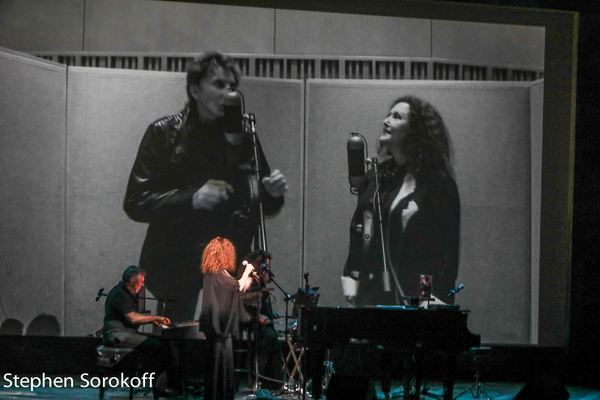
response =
{"points": [[122, 320], [270, 365], [222, 312]]}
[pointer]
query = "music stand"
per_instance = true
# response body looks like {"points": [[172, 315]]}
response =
{"points": [[305, 298]]}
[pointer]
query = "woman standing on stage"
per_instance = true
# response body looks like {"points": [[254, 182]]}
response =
{"points": [[222, 312], [420, 208]]}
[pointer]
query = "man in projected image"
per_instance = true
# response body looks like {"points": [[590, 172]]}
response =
{"points": [[190, 184], [420, 207]]}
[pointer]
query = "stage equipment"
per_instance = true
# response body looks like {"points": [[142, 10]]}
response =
{"points": [[456, 289], [477, 389], [422, 331], [357, 150], [240, 132]]}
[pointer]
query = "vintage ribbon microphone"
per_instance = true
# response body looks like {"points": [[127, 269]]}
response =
{"points": [[358, 163], [357, 169]]}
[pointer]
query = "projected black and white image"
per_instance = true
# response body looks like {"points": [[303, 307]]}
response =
{"points": [[452, 110]]}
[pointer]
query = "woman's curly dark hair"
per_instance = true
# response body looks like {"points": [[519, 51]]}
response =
{"points": [[427, 144]]}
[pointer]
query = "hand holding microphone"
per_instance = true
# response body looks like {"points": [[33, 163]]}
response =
{"points": [[246, 280], [249, 270]]}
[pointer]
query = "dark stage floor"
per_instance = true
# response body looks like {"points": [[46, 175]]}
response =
{"points": [[495, 390]]}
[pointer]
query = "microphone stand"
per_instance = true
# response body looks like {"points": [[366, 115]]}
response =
{"points": [[384, 253], [250, 119], [386, 274], [262, 231], [287, 298]]}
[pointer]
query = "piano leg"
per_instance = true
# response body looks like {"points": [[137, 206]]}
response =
{"points": [[386, 369], [449, 376], [418, 372], [413, 375], [315, 357]]}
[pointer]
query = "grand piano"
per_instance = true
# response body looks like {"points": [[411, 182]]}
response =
{"points": [[413, 330]]}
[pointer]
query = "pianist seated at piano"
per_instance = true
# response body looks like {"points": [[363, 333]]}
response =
{"points": [[420, 207], [122, 320], [221, 315]]}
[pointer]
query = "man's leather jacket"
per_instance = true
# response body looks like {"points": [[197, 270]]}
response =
{"points": [[176, 157]]}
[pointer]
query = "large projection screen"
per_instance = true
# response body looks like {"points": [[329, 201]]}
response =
{"points": [[71, 228], [489, 125]]}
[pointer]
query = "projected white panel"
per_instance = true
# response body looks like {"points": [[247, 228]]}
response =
{"points": [[113, 25], [32, 201]]}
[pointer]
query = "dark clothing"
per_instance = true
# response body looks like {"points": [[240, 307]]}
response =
{"points": [[427, 244], [117, 330], [219, 378], [176, 157], [268, 347], [270, 365], [222, 312], [222, 308], [154, 354]]}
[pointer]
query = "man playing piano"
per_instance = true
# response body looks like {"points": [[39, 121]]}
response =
{"points": [[122, 320]]}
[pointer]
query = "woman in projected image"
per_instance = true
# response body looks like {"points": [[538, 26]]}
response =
{"points": [[420, 208]]}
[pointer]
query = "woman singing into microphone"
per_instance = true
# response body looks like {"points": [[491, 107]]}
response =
{"points": [[222, 312], [420, 208]]}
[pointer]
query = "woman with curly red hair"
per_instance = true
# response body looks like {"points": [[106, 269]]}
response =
{"points": [[222, 312]]}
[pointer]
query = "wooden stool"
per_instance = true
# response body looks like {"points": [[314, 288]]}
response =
{"points": [[294, 356]]}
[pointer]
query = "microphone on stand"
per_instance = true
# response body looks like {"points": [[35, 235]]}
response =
{"points": [[387, 285], [233, 119], [455, 290], [99, 294], [357, 164]]}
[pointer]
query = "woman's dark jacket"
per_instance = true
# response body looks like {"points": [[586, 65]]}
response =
{"points": [[428, 244]]}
